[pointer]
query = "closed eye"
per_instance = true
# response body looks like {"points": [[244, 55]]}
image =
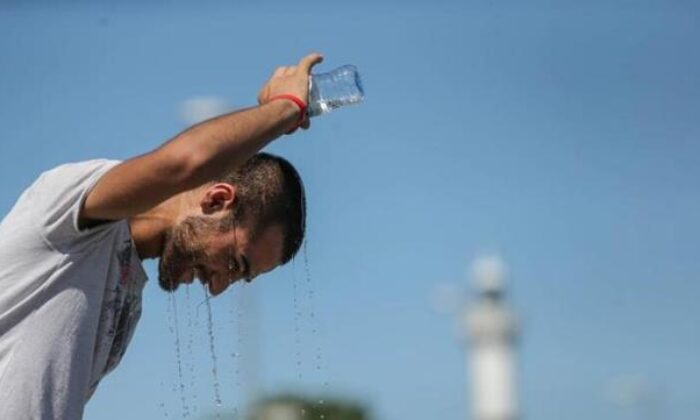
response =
{"points": [[245, 265]]}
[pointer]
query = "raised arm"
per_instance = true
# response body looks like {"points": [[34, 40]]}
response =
{"points": [[202, 152]]}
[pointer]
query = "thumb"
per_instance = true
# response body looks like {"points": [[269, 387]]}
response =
{"points": [[306, 63]]}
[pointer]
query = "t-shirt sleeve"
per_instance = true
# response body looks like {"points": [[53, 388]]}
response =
{"points": [[58, 198]]}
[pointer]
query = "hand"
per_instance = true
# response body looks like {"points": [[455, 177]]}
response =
{"points": [[292, 80]]}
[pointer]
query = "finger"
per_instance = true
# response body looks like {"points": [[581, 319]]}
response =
{"points": [[306, 63], [290, 70], [306, 124]]}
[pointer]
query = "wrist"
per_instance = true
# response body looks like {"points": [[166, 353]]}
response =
{"points": [[294, 103]]}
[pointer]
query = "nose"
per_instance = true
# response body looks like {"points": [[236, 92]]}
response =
{"points": [[222, 282], [219, 284], [217, 288]]}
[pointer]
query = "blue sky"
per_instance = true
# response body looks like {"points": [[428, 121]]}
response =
{"points": [[562, 137]]}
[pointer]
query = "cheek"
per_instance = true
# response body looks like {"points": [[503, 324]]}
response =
{"points": [[220, 254]]}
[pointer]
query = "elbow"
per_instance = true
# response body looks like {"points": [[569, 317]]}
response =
{"points": [[183, 166]]}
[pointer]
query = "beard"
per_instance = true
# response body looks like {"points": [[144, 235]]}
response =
{"points": [[183, 249]]}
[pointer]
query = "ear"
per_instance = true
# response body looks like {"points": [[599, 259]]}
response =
{"points": [[218, 197]]}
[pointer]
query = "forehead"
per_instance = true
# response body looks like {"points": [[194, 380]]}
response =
{"points": [[264, 251]]}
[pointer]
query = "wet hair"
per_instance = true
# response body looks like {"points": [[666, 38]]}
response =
{"points": [[270, 193]]}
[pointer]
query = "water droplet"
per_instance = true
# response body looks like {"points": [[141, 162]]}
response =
{"points": [[313, 321], [297, 329], [210, 330], [162, 403], [178, 354], [190, 353], [238, 354]]}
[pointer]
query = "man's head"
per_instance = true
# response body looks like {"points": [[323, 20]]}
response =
{"points": [[247, 223]]}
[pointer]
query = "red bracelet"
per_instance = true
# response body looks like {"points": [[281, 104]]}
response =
{"points": [[301, 104]]}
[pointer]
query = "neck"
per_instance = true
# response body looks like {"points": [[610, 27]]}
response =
{"points": [[148, 229]]}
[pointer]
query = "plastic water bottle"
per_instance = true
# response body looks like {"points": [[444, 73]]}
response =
{"points": [[339, 87]]}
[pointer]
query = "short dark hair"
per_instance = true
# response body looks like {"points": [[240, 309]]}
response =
{"points": [[270, 192]]}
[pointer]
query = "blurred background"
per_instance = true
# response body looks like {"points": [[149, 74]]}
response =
{"points": [[562, 137]]}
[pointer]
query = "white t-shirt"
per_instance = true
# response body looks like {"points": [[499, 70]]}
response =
{"points": [[69, 298]]}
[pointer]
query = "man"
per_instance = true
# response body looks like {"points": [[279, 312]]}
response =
{"points": [[71, 247]]}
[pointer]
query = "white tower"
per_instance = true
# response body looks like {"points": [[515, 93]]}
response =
{"points": [[492, 330]]}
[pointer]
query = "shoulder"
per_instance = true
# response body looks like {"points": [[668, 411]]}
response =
{"points": [[75, 171], [57, 197]]}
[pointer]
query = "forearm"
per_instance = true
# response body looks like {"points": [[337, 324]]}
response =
{"points": [[194, 157], [201, 153], [219, 144]]}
